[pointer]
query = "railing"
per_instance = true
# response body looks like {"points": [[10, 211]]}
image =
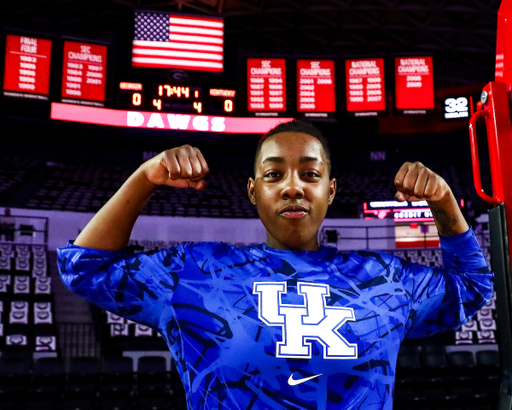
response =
{"points": [[385, 238], [483, 237], [23, 229], [373, 237]]}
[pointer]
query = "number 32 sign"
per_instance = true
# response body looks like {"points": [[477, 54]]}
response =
{"points": [[456, 108]]}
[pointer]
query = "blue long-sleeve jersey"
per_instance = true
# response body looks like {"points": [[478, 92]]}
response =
{"points": [[259, 328]]}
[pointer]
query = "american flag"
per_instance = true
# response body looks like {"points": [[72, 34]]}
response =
{"points": [[165, 40]]}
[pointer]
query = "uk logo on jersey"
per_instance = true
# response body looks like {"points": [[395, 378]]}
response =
{"points": [[304, 323]]}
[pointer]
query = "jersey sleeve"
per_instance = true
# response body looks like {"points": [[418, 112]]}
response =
{"points": [[137, 286], [444, 298]]}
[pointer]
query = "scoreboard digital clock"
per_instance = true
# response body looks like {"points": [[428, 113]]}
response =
{"points": [[177, 92], [176, 98]]}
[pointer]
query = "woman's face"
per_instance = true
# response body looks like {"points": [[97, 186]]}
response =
{"points": [[292, 190]]}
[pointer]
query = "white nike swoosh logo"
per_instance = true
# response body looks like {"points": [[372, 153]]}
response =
{"points": [[293, 382]]}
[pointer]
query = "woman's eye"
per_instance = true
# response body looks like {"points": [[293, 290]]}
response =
{"points": [[272, 175], [312, 175]]}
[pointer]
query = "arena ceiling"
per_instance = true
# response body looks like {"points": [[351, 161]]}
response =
{"points": [[461, 34]]}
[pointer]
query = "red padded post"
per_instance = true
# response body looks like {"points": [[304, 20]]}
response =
{"points": [[476, 159], [503, 72], [496, 111]]}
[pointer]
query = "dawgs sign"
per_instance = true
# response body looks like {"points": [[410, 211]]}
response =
{"points": [[164, 121]]}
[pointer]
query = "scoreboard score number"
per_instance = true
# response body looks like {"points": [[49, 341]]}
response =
{"points": [[222, 101]]}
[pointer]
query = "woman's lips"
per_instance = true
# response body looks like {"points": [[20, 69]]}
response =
{"points": [[294, 214]]}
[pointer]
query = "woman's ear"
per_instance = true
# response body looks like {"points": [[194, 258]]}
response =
{"points": [[250, 191], [332, 190]]}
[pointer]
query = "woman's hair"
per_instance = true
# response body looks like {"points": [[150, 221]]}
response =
{"points": [[296, 126]]}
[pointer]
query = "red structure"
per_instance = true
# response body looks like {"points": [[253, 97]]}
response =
{"points": [[495, 109]]}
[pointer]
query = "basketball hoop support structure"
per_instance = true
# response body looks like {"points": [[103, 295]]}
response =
{"points": [[495, 110]]}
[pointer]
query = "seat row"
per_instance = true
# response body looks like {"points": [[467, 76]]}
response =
{"points": [[14, 172], [86, 187], [89, 383], [435, 379]]}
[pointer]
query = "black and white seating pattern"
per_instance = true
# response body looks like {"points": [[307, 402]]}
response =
{"points": [[26, 300]]}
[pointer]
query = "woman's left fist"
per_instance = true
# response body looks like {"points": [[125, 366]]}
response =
{"points": [[415, 182]]}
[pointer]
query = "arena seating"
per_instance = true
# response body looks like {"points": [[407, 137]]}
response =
{"points": [[26, 301], [89, 383], [428, 377], [14, 172], [86, 187]]}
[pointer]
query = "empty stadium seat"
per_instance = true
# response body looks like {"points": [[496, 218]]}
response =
{"points": [[152, 373], [152, 382], [83, 375], [14, 374], [48, 377], [117, 374]]}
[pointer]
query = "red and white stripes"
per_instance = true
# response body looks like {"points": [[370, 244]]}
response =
{"points": [[195, 43]]}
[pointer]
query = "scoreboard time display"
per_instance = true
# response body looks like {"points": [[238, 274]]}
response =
{"points": [[178, 98]]}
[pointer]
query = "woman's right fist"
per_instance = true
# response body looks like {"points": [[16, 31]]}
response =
{"points": [[181, 167]]}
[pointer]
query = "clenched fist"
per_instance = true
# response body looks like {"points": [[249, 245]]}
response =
{"points": [[181, 167], [415, 182]]}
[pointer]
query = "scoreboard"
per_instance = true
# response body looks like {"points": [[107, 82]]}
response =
{"points": [[174, 97]]}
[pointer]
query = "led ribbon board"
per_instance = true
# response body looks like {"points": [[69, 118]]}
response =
{"points": [[163, 121], [398, 211]]}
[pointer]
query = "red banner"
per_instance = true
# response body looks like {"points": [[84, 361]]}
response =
{"points": [[414, 83], [84, 71], [27, 65], [315, 86], [365, 85], [266, 84]]}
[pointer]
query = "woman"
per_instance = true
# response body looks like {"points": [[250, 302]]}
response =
{"points": [[288, 324]]}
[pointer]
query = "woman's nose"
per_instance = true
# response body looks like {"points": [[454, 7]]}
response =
{"points": [[292, 188]]}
